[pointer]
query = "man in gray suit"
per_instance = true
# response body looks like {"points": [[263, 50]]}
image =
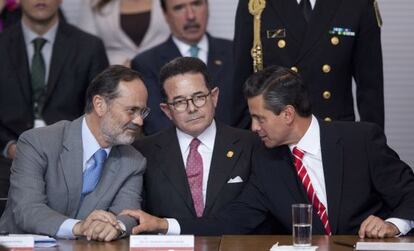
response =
{"points": [[63, 185]]}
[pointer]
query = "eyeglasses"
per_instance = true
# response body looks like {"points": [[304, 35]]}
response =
{"points": [[136, 111], [198, 101]]}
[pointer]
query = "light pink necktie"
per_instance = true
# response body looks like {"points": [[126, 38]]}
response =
{"points": [[304, 177], [194, 170]]}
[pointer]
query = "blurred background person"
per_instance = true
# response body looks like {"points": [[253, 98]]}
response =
{"points": [[127, 27]]}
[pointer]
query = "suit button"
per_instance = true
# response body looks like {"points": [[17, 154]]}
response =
{"points": [[328, 119], [335, 40], [326, 94], [326, 68], [281, 43], [294, 68]]}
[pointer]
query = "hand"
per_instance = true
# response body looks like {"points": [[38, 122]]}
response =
{"points": [[2, 5], [97, 215], [374, 227], [11, 150], [147, 222], [101, 231]]}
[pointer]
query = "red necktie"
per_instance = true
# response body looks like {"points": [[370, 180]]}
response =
{"points": [[304, 177], [194, 170]]}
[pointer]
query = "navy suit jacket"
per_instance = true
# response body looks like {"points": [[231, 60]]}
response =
{"points": [[220, 69], [363, 177]]}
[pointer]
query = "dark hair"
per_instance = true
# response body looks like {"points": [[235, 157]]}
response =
{"points": [[280, 87], [183, 65], [164, 5], [106, 84]]}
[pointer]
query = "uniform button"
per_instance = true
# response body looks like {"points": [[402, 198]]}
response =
{"points": [[294, 68], [326, 94], [281, 43], [335, 40], [327, 119], [326, 68]]}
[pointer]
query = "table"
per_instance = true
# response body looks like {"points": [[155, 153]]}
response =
{"points": [[225, 243]]}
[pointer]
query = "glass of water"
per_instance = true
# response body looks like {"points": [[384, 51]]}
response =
{"points": [[302, 225]]}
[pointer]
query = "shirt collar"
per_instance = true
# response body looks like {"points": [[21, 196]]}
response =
{"points": [[310, 142], [207, 137], [30, 35], [184, 48], [89, 143]]}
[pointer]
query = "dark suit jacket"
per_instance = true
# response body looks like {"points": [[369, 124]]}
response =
{"points": [[308, 49], [363, 177], [77, 58], [167, 192], [220, 69]]}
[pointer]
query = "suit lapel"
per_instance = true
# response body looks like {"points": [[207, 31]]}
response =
{"points": [[296, 187], [319, 23], [332, 159], [289, 11], [172, 165], [168, 51], [61, 49], [215, 58], [221, 165], [18, 52], [71, 164]]}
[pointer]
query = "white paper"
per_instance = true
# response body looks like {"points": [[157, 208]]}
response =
{"points": [[17, 241], [384, 246], [276, 247], [43, 241], [178, 242]]}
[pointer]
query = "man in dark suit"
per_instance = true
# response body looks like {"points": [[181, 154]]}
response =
{"points": [[46, 66], [328, 42], [354, 181], [187, 20], [171, 188]]}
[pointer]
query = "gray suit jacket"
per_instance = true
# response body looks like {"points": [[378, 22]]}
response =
{"points": [[46, 181]]}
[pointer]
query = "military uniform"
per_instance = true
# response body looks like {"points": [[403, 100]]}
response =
{"points": [[342, 40]]}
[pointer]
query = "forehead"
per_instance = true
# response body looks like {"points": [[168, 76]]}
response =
{"points": [[133, 91], [185, 85], [174, 3]]}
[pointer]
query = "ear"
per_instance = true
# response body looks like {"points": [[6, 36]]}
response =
{"points": [[166, 109], [99, 104], [215, 95], [289, 114]]}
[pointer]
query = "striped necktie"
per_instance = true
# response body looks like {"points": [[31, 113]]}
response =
{"points": [[318, 207]]}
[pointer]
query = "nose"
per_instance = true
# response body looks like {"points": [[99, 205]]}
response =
{"points": [[190, 13], [255, 127], [138, 120]]}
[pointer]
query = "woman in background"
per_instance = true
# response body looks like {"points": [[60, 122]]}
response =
{"points": [[127, 27]]}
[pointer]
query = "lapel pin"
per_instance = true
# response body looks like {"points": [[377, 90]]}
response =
{"points": [[230, 154], [276, 33], [218, 62]]}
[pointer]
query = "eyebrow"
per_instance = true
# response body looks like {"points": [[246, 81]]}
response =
{"points": [[183, 97]]}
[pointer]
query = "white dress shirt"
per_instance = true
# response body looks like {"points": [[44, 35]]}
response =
{"points": [[310, 143], [206, 147], [312, 2], [89, 145], [185, 48]]}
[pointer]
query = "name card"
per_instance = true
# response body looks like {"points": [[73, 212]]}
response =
{"points": [[161, 243], [385, 246], [20, 243]]}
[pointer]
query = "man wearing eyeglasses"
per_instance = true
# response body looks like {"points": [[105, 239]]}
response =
{"points": [[199, 165], [71, 179]]}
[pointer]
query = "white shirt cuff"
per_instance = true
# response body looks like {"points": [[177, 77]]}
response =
{"points": [[65, 230], [403, 225], [173, 227]]}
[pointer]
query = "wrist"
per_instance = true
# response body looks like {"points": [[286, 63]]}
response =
{"points": [[163, 226]]}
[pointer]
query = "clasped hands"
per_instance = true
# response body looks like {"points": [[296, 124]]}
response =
{"points": [[100, 225]]}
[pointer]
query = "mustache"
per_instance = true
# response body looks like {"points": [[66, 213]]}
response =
{"points": [[191, 25], [132, 126]]}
